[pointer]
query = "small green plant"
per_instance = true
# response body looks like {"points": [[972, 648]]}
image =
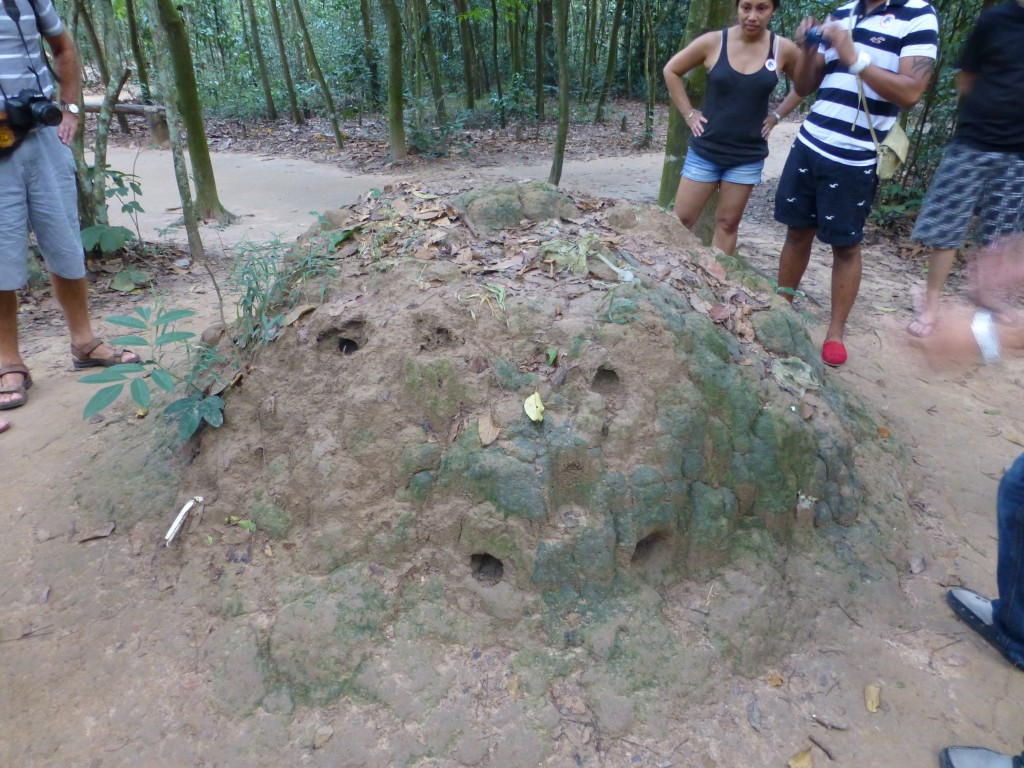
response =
{"points": [[110, 239], [154, 328], [269, 279], [241, 522]]}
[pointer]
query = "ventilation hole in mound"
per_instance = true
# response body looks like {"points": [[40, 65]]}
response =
{"points": [[437, 338], [486, 568], [606, 382], [652, 549], [345, 340]]}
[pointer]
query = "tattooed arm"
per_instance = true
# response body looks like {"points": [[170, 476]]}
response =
{"points": [[904, 88]]}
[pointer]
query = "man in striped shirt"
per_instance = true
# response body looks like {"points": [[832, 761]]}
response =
{"points": [[887, 49], [37, 189]]}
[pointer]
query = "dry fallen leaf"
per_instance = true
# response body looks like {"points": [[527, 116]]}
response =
{"points": [[801, 760], [774, 679], [296, 313], [512, 685], [883, 433], [488, 431], [873, 697]]}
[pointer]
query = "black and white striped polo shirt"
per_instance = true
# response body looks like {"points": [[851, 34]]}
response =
{"points": [[837, 126], [18, 66]]}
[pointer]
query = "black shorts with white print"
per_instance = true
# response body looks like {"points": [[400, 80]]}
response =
{"points": [[821, 193]]}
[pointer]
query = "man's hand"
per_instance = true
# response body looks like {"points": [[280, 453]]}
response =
{"points": [[68, 128], [801, 33], [841, 41]]}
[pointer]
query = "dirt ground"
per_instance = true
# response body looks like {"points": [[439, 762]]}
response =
{"points": [[103, 660]]}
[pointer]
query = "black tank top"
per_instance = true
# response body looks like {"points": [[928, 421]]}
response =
{"points": [[735, 106]]}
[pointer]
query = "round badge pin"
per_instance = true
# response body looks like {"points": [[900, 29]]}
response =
{"points": [[770, 65], [888, 19]]}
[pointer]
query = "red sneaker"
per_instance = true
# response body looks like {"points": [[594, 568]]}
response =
{"points": [[833, 353]]}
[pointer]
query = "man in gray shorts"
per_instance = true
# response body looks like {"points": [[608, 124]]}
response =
{"points": [[983, 167], [37, 188]]}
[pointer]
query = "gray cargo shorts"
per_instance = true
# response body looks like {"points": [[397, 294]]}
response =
{"points": [[970, 181], [37, 189]]}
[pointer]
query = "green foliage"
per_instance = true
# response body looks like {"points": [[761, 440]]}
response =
{"points": [[154, 328], [105, 237], [270, 279]]}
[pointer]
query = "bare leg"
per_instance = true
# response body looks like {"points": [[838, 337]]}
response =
{"points": [[846, 266], [796, 255], [732, 201], [940, 263], [73, 297], [691, 197], [9, 352]]}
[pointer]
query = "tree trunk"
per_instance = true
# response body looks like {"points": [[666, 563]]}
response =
{"points": [[286, 72], [115, 55], [141, 69], [561, 8], [166, 52], [314, 63], [396, 88], [609, 71], [468, 53], [538, 55], [650, 67], [254, 28], [494, 60], [186, 97], [704, 15], [430, 54], [370, 54]]}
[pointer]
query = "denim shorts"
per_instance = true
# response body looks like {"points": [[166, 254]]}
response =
{"points": [[37, 189], [696, 168]]}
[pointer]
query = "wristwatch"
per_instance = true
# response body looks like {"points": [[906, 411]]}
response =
{"points": [[72, 108]]}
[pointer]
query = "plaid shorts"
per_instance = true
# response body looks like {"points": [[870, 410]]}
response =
{"points": [[970, 181]]}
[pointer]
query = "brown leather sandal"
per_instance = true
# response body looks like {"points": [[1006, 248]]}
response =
{"points": [[80, 356], [22, 389]]}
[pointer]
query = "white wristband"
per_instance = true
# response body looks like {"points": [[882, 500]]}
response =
{"points": [[985, 335], [863, 62]]}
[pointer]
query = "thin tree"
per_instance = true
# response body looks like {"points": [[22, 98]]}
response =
{"points": [[396, 86], [141, 67], [370, 53], [286, 72], [609, 71], [314, 64], [261, 62], [429, 53], [561, 9], [186, 97], [494, 58], [468, 52]]}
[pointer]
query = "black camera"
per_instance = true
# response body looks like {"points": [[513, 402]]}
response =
{"points": [[813, 37], [30, 108]]}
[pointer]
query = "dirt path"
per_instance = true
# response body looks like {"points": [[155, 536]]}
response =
{"points": [[101, 663]]}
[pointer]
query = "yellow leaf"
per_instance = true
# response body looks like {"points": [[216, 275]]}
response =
{"points": [[883, 433], [298, 312], [488, 431], [512, 685], [534, 407], [141, 413], [801, 760], [774, 680], [873, 697]]}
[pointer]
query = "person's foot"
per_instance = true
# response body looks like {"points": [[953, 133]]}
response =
{"points": [[98, 354], [975, 611], [4, 425], [15, 381], [976, 757], [922, 326], [833, 353]]}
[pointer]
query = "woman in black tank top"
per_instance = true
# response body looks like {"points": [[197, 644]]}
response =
{"points": [[730, 134]]}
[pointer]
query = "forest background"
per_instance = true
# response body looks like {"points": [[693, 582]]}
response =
{"points": [[436, 67]]}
